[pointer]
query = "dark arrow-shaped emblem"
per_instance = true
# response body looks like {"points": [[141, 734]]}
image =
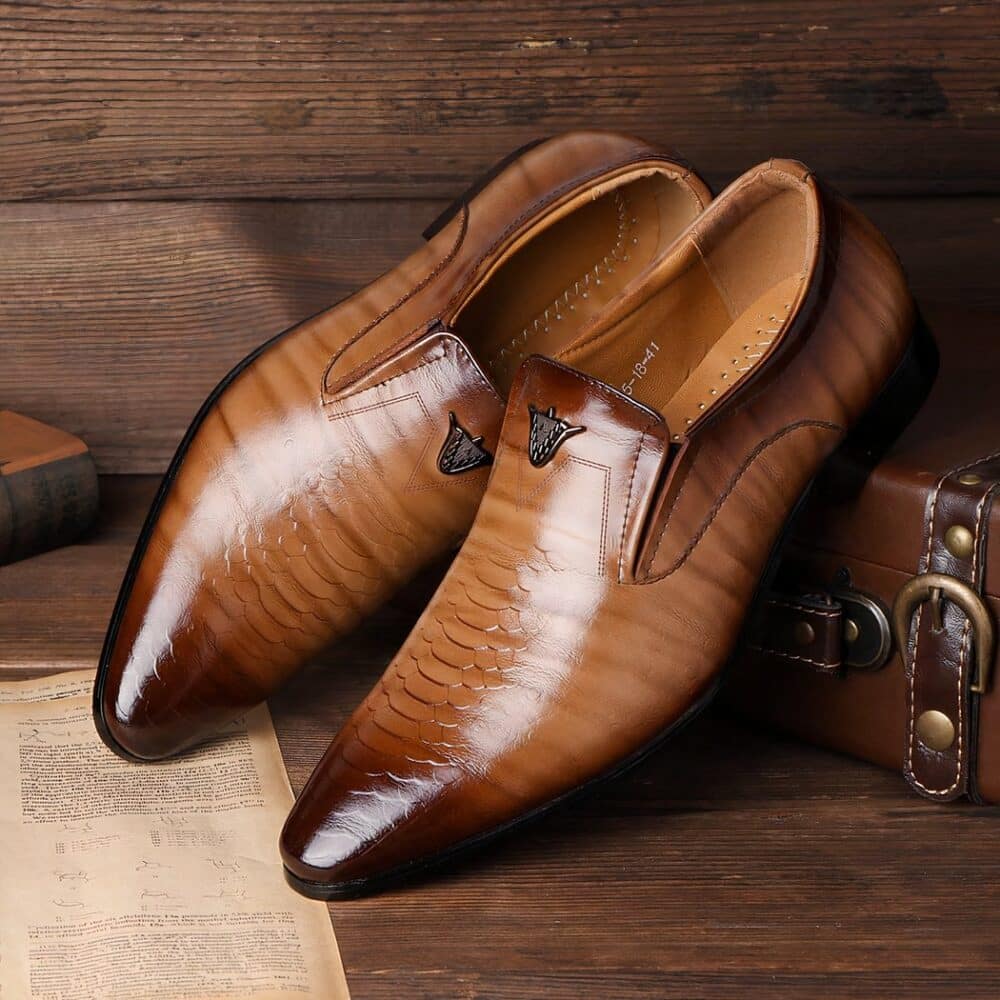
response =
{"points": [[547, 433], [461, 451]]}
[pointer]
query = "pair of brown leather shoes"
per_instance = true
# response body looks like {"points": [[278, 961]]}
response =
{"points": [[623, 389]]}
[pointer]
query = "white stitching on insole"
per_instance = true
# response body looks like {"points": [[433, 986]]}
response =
{"points": [[578, 290], [752, 353]]}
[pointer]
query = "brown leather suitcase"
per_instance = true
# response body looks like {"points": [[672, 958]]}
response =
{"points": [[878, 637]]}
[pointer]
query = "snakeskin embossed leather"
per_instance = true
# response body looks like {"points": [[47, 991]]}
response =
{"points": [[607, 575], [325, 470]]}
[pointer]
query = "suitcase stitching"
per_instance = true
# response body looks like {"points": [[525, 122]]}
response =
{"points": [[932, 516]]}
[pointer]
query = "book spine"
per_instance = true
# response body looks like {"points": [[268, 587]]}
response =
{"points": [[46, 506]]}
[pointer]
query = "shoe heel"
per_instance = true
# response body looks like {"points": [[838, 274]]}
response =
{"points": [[899, 400], [475, 187]]}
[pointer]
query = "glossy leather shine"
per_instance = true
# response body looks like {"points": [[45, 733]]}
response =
{"points": [[597, 597], [309, 487]]}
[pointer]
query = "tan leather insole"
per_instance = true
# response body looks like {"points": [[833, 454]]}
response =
{"points": [[648, 343], [734, 354], [553, 286], [684, 338], [675, 330], [680, 352]]}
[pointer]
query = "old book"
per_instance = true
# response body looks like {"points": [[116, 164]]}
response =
{"points": [[48, 487], [156, 881]]}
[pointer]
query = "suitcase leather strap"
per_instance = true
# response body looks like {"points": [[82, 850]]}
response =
{"points": [[825, 632], [946, 635], [801, 628]]}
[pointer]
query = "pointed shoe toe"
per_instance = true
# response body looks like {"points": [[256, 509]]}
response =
{"points": [[635, 507], [351, 451], [347, 838]]}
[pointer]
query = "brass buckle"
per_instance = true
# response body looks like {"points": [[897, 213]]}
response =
{"points": [[932, 587]]}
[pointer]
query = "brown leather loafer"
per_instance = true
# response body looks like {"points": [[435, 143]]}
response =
{"points": [[629, 520], [349, 452]]}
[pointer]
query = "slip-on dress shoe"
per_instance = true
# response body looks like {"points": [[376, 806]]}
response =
{"points": [[348, 453], [634, 507]]}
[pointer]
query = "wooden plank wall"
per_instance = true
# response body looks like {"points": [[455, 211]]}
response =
{"points": [[180, 181]]}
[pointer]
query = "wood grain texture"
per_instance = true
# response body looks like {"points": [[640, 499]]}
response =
{"points": [[107, 99], [730, 865], [118, 319]]}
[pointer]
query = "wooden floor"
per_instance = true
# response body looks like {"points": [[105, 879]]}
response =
{"points": [[731, 864], [180, 181]]}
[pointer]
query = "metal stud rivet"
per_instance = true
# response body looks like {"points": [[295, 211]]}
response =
{"points": [[959, 542], [935, 730], [851, 631], [970, 479], [803, 634]]}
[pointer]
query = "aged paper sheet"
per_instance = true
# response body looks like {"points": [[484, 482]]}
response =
{"points": [[121, 881]]}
